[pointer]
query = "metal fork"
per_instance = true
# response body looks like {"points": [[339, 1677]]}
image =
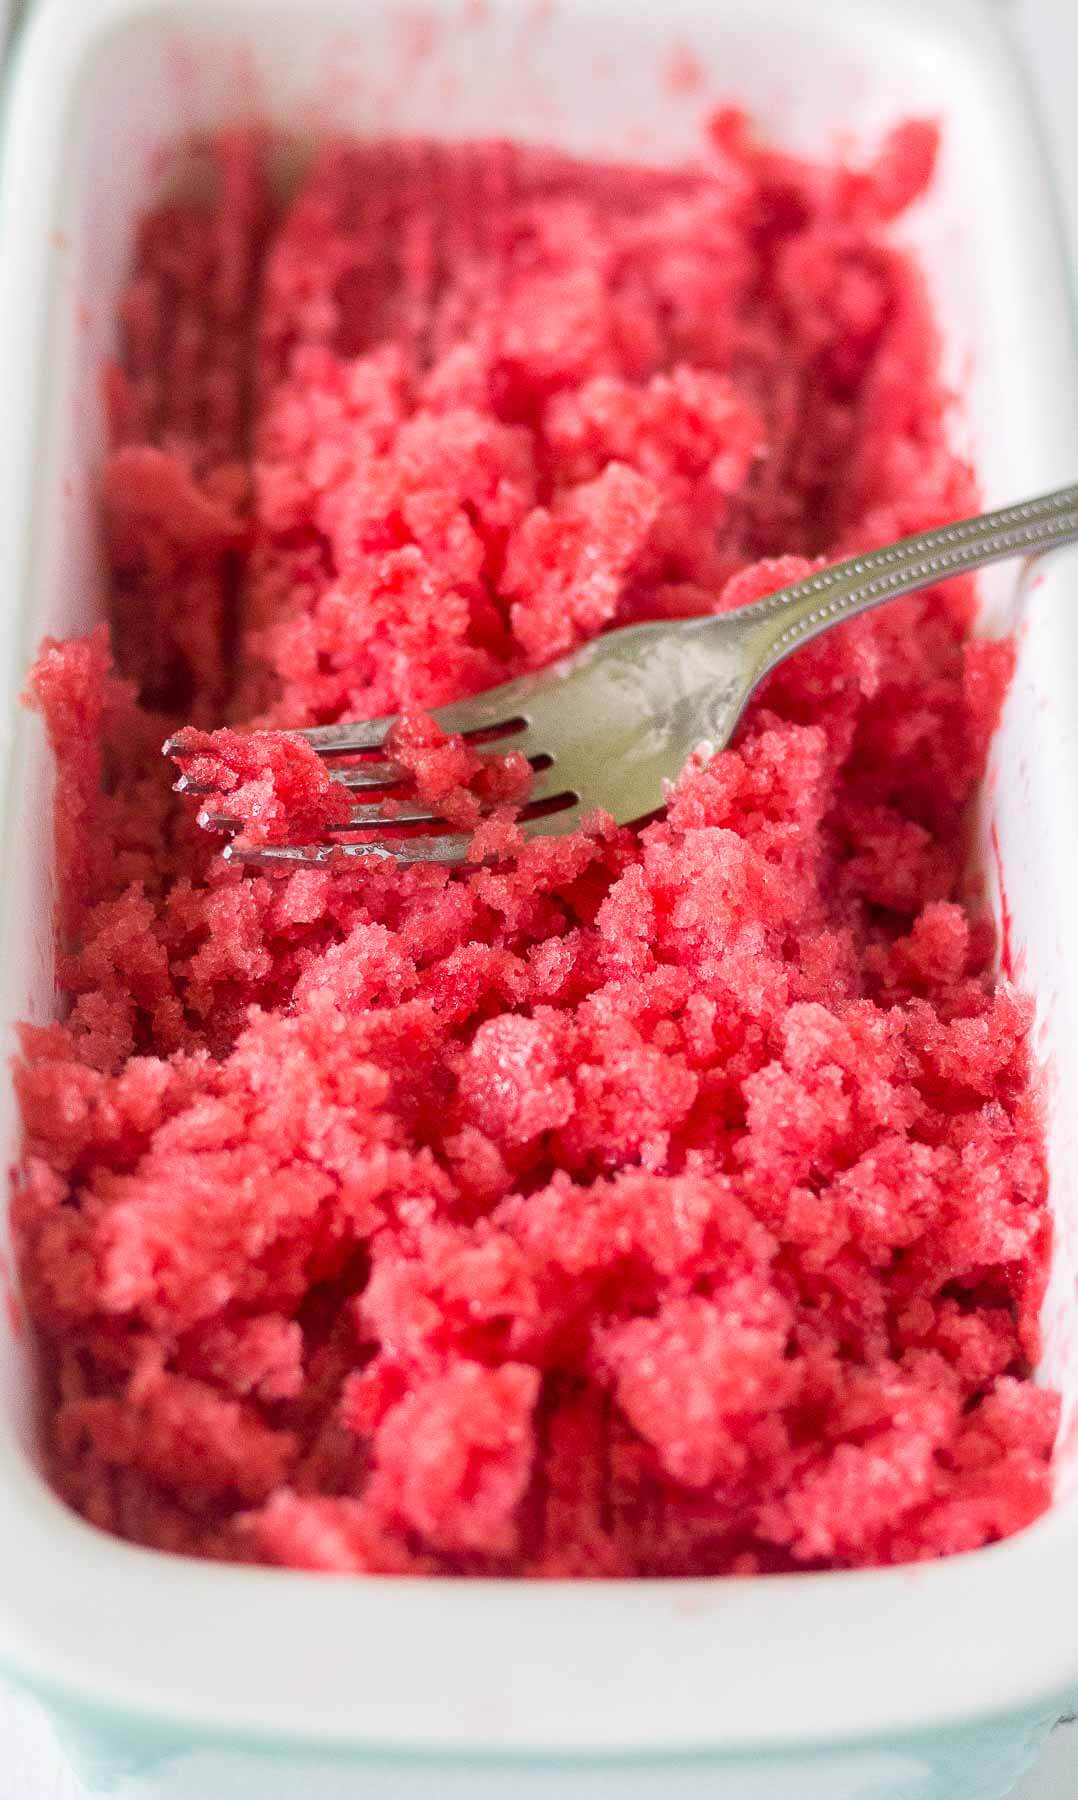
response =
{"points": [[609, 724]]}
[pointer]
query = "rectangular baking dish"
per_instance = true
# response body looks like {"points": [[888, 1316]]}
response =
{"points": [[935, 1680]]}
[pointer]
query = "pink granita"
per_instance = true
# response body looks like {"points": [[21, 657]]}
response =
{"points": [[639, 1202], [274, 787], [451, 776]]}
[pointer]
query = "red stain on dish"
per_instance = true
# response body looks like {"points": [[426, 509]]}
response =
{"points": [[419, 31], [683, 72], [1067, 1447], [194, 76], [342, 87], [1006, 941], [15, 1316], [12, 1304], [639, 1202]]}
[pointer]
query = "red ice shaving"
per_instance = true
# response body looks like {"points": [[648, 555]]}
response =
{"points": [[632, 1203]]}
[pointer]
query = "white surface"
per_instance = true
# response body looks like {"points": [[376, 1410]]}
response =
{"points": [[32, 1769], [1049, 32]]}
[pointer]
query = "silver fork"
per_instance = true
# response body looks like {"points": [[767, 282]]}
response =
{"points": [[609, 724]]}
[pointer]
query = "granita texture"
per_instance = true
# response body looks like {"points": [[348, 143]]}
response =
{"points": [[642, 1202]]}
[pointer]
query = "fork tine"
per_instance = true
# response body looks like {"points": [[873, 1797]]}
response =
{"points": [[374, 814], [547, 783], [364, 775], [403, 814], [371, 734], [338, 740], [449, 850], [556, 824], [496, 710], [368, 775], [386, 774]]}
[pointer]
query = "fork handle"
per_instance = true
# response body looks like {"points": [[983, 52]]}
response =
{"points": [[796, 614]]}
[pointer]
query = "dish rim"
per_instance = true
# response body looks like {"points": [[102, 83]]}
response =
{"points": [[743, 1665]]}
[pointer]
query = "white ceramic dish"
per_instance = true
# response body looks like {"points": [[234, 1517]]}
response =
{"points": [[936, 1680]]}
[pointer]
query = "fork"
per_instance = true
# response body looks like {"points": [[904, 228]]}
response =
{"points": [[610, 724]]}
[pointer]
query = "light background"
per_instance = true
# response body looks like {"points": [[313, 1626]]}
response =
{"points": [[32, 1766]]}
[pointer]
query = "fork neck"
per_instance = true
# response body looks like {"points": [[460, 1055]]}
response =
{"points": [[783, 621]]}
